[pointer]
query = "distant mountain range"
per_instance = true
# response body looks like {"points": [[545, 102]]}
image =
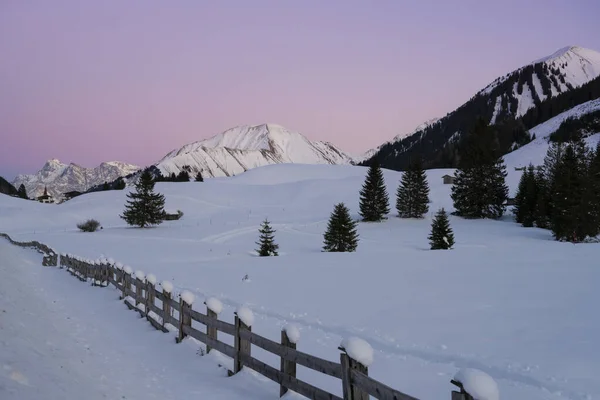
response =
{"points": [[61, 178]]}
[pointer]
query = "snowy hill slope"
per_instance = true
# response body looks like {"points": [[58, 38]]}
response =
{"points": [[60, 178], [491, 303], [535, 151], [245, 147]]}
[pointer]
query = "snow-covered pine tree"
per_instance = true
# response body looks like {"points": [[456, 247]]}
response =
{"points": [[267, 244], [479, 189], [22, 192], [441, 237], [341, 235], [144, 207], [374, 200], [199, 177], [412, 197]]}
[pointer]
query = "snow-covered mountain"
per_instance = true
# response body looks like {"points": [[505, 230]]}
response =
{"points": [[61, 178], [369, 153], [244, 147], [525, 92], [557, 73]]}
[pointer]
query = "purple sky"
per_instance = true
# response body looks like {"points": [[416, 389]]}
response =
{"points": [[92, 81]]}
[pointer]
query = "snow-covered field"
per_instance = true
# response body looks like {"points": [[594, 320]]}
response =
{"points": [[507, 300]]}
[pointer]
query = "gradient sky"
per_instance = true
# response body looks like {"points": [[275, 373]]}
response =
{"points": [[90, 81]]}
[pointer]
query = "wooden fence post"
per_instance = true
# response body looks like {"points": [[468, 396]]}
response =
{"points": [[241, 346], [185, 319], [352, 392], [140, 280], [166, 307], [287, 367], [150, 294]]}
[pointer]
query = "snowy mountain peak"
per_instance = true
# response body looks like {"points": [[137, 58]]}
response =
{"points": [[248, 146], [60, 178]]}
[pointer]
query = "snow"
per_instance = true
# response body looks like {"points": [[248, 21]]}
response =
{"points": [[478, 384], [491, 303], [358, 350], [119, 266], [293, 332], [128, 270], [245, 315], [497, 108], [151, 278], [167, 286], [188, 297], [64, 340], [140, 275], [214, 305]]}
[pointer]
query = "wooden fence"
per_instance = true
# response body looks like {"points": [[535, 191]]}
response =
{"points": [[161, 309]]}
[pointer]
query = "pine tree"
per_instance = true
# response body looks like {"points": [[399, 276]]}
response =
{"points": [[441, 237], [267, 244], [541, 213], [374, 200], [567, 197], [199, 177], [593, 190], [412, 197], [120, 184], [22, 192], [341, 235], [145, 208], [479, 189], [183, 176], [526, 199]]}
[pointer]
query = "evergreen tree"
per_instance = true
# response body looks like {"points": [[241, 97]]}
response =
{"points": [[541, 213], [183, 176], [105, 186], [267, 244], [145, 207], [374, 200], [568, 186], [172, 177], [341, 235], [593, 192], [22, 192], [479, 189], [199, 177], [412, 197], [120, 185], [526, 199], [441, 237]]}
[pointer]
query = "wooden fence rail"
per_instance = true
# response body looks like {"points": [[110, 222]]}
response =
{"points": [[141, 295]]}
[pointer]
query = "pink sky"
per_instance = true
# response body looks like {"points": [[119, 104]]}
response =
{"points": [[87, 81]]}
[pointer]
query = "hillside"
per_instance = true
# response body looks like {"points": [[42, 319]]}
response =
{"points": [[513, 103], [7, 188], [245, 147], [61, 178], [490, 303]]}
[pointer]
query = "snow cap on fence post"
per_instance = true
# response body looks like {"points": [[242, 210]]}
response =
{"points": [[151, 278], [140, 275], [167, 286], [128, 270], [478, 384], [188, 297], [358, 350], [245, 315], [292, 332], [119, 266], [214, 305], [111, 261]]}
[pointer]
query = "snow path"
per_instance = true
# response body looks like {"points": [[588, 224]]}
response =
{"points": [[61, 339]]}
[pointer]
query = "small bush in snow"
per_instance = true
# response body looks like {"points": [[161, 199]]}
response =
{"points": [[91, 225]]}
